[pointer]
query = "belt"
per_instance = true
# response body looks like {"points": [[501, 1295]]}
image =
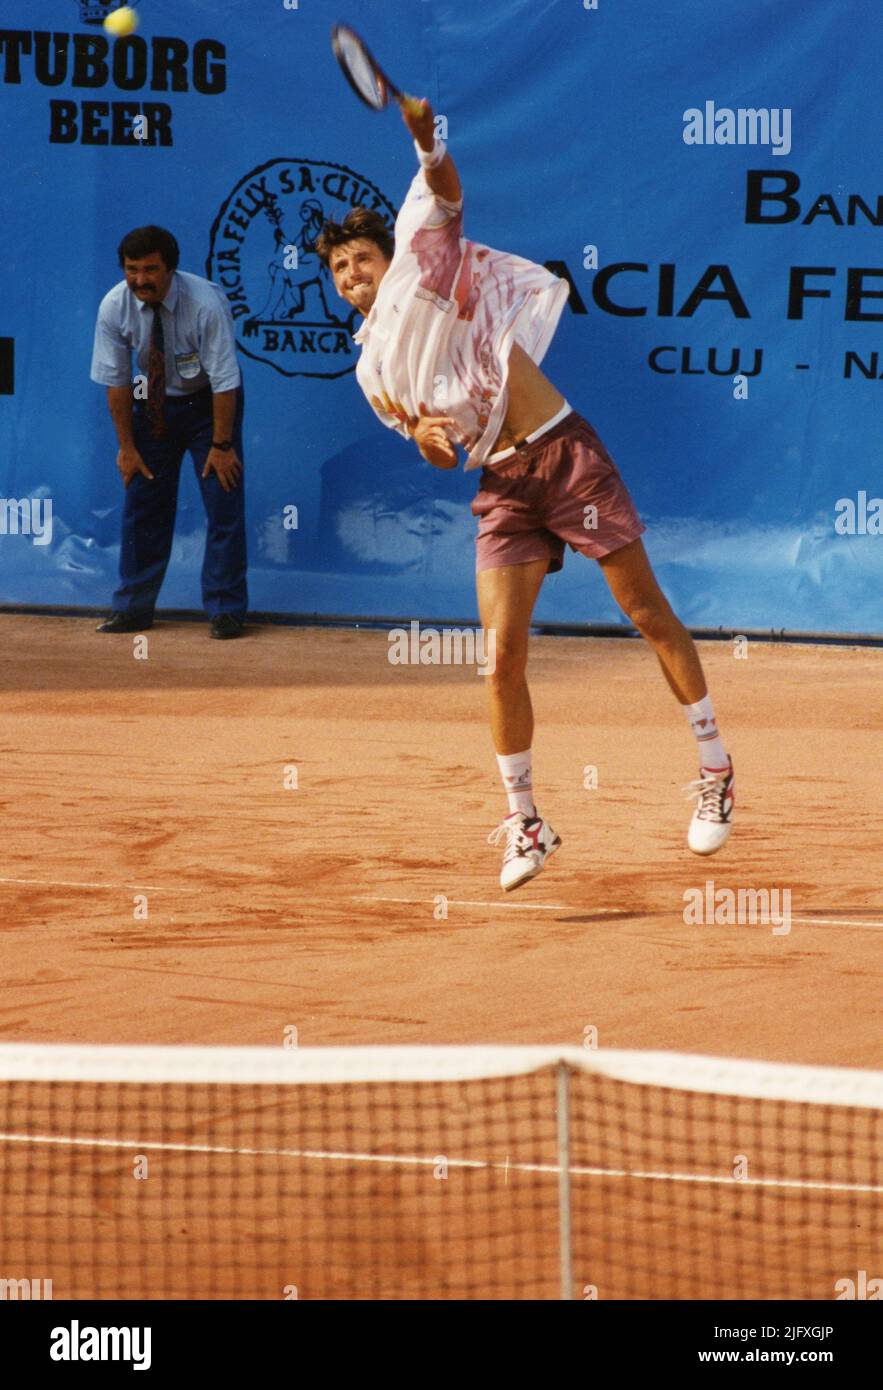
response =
{"points": [[529, 439]]}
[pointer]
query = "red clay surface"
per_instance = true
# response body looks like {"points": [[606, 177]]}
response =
{"points": [[159, 783], [270, 907]]}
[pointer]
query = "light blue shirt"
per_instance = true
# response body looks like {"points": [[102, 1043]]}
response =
{"points": [[200, 344]]}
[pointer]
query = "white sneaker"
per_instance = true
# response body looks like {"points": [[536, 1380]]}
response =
{"points": [[529, 842], [713, 818]]}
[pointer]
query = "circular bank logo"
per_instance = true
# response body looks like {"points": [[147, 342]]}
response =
{"points": [[285, 307]]}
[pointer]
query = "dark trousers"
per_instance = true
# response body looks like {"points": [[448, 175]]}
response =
{"points": [[150, 506]]}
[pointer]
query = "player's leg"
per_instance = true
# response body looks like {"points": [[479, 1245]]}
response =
{"points": [[587, 504], [634, 586], [225, 562], [506, 598]]}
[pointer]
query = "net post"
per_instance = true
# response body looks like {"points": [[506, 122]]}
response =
{"points": [[564, 1217]]}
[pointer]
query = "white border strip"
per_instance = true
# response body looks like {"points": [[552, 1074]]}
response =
{"points": [[318, 1065], [422, 1161]]}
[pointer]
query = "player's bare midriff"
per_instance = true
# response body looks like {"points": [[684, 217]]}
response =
{"points": [[532, 400]]}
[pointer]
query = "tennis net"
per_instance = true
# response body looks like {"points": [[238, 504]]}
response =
{"points": [[424, 1172]]}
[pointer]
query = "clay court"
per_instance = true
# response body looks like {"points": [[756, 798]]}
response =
{"points": [[158, 785], [163, 884]]}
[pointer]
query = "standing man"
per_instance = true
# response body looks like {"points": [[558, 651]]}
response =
{"points": [[181, 330], [439, 309]]}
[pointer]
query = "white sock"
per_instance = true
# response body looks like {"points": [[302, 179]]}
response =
{"points": [[712, 753], [515, 770]]}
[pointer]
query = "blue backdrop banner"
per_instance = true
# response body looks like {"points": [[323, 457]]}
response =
{"points": [[705, 177]]}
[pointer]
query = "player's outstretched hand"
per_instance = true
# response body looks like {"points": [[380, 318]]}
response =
{"points": [[418, 117], [428, 433]]}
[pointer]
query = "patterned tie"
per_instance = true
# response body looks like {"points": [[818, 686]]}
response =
{"points": [[156, 378]]}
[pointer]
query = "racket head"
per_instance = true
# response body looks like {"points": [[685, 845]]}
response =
{"points": [[367, 79]]}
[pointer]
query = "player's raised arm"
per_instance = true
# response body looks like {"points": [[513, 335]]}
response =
{"points": [[443, 179]]}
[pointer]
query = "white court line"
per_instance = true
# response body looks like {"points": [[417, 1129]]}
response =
{"points": [[582, 907], [416, 1161], [453, 902], [358, 897], [69, 883], [837, 922], [464, 902]]}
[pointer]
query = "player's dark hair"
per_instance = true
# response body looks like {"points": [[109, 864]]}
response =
{"points": [[144, 241], [361, 222]]}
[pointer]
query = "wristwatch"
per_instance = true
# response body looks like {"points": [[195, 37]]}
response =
{"points": [[225, 445]]}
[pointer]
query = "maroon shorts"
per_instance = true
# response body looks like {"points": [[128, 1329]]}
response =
{"points": [[563, 488]]}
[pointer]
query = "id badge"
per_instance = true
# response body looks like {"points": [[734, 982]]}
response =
{"points": [[187, 365]]}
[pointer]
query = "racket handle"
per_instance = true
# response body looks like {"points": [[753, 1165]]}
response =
{"points": [[414, 105]]}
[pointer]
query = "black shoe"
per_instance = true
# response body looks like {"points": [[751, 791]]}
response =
{"points": [[126, 622], [225, 625]]}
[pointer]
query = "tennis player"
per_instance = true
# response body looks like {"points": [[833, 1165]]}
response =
{"points": [[451, 342]]}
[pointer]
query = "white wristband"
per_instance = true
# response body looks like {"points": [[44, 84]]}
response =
{"points": [[430, 159]]}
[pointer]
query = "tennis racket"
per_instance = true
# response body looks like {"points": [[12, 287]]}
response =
{"points": [[365, 75]]}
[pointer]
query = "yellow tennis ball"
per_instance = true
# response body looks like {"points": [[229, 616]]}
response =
{"points": [[121, 22]]}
